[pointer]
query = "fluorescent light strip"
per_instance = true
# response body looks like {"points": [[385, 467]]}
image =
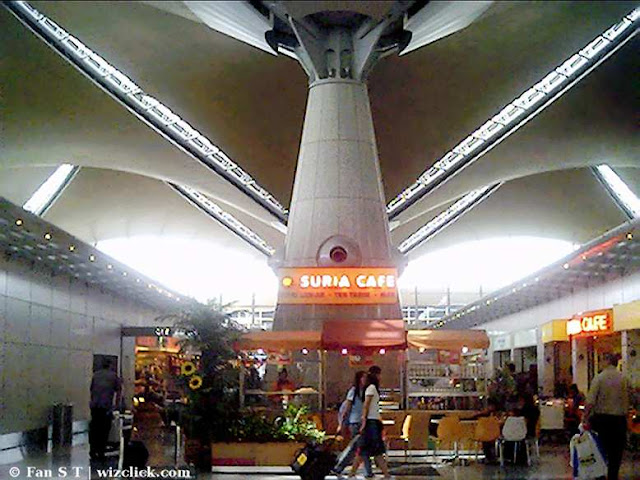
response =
{"points": [[446, 218], [47, 193], [150, 110], [518, 112], [226, 219], [619, 190]]}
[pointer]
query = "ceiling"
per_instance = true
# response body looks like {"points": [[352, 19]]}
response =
{"points": [[423, 104]]}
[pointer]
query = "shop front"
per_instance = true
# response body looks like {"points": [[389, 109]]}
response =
{"points": [[593, 337], [598, 333]]}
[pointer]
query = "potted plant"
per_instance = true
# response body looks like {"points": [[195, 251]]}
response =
{"points": [[255, 439], [210, 380], [216, 429]]}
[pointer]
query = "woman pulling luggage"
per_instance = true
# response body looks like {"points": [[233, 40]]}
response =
{"points": [[351, 418], [371, 428]]}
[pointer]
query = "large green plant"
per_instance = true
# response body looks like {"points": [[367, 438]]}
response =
{"points": [[502, 387], [292, 426], [214, 406], [295, 426]]}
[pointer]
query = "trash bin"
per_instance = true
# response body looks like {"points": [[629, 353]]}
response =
{"points": [[62, 425]]}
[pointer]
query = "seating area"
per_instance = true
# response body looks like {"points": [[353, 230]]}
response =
{"points": [[457, 436]]}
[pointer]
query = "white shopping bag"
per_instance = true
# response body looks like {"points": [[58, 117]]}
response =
{"points": [[115, 431], [587, 459]]}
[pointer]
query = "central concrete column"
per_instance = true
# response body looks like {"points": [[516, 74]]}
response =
{"points": [[338, 203], [338, 213]]}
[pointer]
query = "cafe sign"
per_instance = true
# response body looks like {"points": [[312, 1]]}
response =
{"points": [[338, 286], [591, 323]]}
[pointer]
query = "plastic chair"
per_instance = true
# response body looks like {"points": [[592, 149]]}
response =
{"points": [[514, 430], [449, 430], [405, 436], [487, 430]]}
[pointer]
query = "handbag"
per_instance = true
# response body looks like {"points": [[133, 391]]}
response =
{"points": [[586, 457]]}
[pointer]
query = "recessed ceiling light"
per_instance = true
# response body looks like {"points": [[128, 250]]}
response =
{"points": [[19, 222], [124, 274], [109, 267], [629, 236], [92, 258], [72, 248], [565, 266], [47, 236]]}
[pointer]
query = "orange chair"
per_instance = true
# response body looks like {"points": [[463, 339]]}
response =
{"points": [[405, 436], [487, 430], [450, 431]]}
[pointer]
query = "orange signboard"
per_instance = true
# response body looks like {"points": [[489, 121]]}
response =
{"points": [[338, 286], [591, 323]]}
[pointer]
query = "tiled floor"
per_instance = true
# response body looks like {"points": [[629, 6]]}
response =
{"points": [[553, 465]]}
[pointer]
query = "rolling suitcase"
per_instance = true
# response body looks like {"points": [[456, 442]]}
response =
{"points": [[313, 462]]}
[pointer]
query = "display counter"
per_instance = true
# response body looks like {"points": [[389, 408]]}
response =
{"points": [[445, 380]]}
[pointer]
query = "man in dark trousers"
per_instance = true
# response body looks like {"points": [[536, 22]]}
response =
{"points": [[105, 384], [606, 413]]}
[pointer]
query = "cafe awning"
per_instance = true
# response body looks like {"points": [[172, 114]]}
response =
{"points": [[279, 341], [359, 335], [447, 339]]}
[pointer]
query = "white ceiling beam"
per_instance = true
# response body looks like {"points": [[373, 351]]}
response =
{"points": [[148, 109], [519, 112]]}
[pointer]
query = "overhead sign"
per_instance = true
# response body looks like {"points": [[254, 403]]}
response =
{"points": [[591, 323], [338, 285]]}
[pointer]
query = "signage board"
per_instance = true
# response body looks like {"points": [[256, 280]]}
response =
{"points": [[338, 286], [591, 323], [502, 342]]}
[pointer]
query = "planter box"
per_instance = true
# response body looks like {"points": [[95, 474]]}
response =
{"points": [[254, 454]]}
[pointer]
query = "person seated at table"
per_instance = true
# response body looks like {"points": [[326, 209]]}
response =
{"points": [[573, 414], [528, 409], [489, 448]]}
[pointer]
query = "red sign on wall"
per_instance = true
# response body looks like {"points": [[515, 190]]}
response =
{"points": [[598, 322]]}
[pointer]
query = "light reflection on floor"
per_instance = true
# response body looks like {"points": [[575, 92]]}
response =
{"points": [[553, 465]]}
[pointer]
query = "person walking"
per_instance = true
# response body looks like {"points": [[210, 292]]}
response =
{"points": [[352, 419], [105, 384], [371, 424], [606, 413]]}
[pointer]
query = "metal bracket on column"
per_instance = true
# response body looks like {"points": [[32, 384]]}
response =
{"points": [[338, 51], [310, 52]]}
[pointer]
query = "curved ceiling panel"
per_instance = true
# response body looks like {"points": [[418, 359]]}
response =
{"points": [[252, 105], [591, 124], [18, 184], [102, 204], [567, 205]]}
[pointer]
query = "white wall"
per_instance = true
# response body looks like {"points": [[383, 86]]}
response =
{"points": [[50, 328]]}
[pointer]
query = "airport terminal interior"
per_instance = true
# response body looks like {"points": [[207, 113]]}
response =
{"points": [[291, 239]]}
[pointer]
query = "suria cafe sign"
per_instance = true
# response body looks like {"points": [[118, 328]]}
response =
{"points": [[337, 285], [591, 323]]}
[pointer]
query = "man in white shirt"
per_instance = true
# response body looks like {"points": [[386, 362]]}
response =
{"points": [[606, 413]]}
